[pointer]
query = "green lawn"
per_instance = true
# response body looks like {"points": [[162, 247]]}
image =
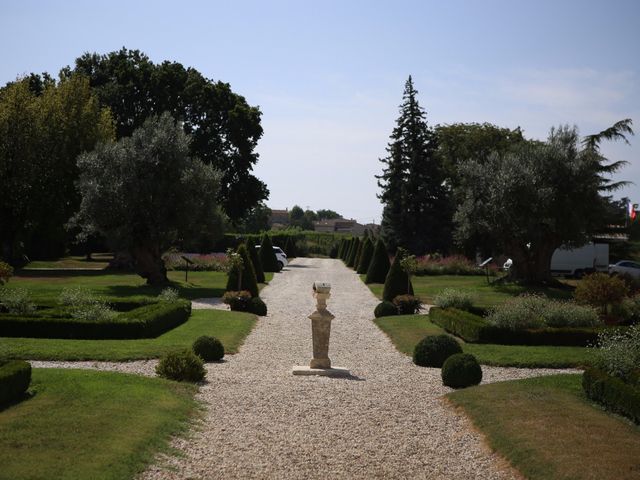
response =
{"points": [[485, 295], [230, 328], [45, 286], [98, 261], [75, 426], [549, 430], [405, 331]]}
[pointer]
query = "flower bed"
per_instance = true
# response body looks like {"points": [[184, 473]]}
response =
{"points": [[451, 265], [210, 262]]}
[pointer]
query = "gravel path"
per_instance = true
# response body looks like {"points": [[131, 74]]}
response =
{"points": [[389, 421]]}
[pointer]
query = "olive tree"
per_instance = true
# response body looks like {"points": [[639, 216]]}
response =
{"points": [[145, 193]]}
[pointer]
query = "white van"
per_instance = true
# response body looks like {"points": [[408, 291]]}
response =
{"points": [[592, 257]]}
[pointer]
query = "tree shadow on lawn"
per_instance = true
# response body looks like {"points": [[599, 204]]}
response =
{"points": [[187, 292]]}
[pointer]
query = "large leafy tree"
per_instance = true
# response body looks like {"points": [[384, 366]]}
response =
{"points": [[44, 126], [417, 205], [539, 196], [225, 129], [146, 193]]}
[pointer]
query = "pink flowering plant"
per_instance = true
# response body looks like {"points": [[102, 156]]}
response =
{"points": [[210, 262]]}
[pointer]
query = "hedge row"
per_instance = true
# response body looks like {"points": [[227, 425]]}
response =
{"points": [[15, 377], [475, 329], [147, 321], [613, 393]]}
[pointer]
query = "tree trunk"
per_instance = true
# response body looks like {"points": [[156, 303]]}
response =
{"points": [[532, 266], [150, 266]]}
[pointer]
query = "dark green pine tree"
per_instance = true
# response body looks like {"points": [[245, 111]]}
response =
{"points": [[255, 259], [417, 203]]}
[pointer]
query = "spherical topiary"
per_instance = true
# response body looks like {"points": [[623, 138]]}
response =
{"points": [[461, 370], [208, 348], [432, 351], [183, 366], [257, 307], [385, 309]]}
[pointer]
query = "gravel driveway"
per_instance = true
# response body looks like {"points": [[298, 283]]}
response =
{"points": [[389, 421]]}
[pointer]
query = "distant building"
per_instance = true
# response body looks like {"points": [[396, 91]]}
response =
{"points": [[339, 225], [279, 219]]}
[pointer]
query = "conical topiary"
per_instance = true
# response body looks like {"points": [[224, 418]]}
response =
{"points": [[354, 253], [379, 266], [248, 281], [347, 250], [397, 281], [288, 249], [365, 256], [341, 247], [267, 255], [255, 259]]}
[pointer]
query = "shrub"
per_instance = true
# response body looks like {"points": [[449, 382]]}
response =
{"points": [[255, 260], [461, 370], [379, 266], [15, 377], [432, 351], [353, 256], [349, 250], [407, 304], [397, 281], [17, 301], [210, 262], [208, 348], [97, 312], [632, 283], [75, 297], [365, 256], [237, 301], [257, 307], [568, 314], [169, 295], [182, 366], [618, 352], [613, 393], [248, 281], [600, 290], [452, 265], [451, 298], [333, 251], [267, 255], [518, 313], [6, 272], [385, 309]]}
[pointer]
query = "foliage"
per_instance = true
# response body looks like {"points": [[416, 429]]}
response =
{"points": [[15, 377], [618, 352], [98, 312], [255, 261], [353, 253], [407, 304], [169, 295], [433, 350], [365, 256], [385, 309], [145, 192], [601, 291], [256, 220], [613, 393], [397, 281], [243, 277], [208, 348], [417, 205], [268, 256], [379, 266], [521, 200], [76, 296], [17, 301], [326, 214], [302, 218], [211, 262], [450, 265], [6, 272], [237, 301], [451, 298], [257, 307], [182, 366], [461, 370], [41, 133]]}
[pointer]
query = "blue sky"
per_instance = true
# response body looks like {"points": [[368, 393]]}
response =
{"points": [[328, 75]]}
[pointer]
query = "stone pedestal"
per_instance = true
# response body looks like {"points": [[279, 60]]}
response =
{"points": [[321, 331]]}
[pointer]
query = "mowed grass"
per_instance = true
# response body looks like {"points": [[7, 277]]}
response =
{"points": [[98, 261], [82, 424], [405, 331], [549, 430], [45, 286], [484, 295], [231, 328]]}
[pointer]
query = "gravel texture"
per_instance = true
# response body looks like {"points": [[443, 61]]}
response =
{"points": [[388, 421]]}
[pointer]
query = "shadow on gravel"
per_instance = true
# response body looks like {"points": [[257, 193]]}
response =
{"points": [[298, 266]]}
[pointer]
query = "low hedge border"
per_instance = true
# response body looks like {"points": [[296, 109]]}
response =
{"points": [[475, 329], [147, 321], [611, 392], [15, 377]]}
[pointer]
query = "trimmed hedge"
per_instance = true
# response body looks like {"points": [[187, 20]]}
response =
{"points": [[433, 350], [475, 329], [147, 321], [613, 393], [15, 377], [461, 370]]}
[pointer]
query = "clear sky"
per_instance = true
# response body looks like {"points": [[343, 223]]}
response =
{"points": [[328, 75]]}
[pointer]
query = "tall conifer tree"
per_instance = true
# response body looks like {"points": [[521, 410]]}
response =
{"points": [[417, 206]]}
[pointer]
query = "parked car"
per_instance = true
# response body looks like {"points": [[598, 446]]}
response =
{"points": [[625, 266], [281, 257]]}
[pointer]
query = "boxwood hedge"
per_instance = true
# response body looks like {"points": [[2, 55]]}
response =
{"points": [[15, 377], [613, 393]]}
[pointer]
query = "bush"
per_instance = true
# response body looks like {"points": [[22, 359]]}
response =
{"points": [[365, 256], [6, 272], [461, 370], [75, 297], [601, 290], [353, 255], [632, 283], [618, 352], [451, 298], [333, 251], [257, 307], [385, 309], [557, 314], [255, 260], [248, 280], [208, 348], [452, 265], [15, 377], [210, 262], [432, 351], [267, 255], [182, 366], [407, 304], [379, 266], [17, 301], [237, 301], [613, 393], [97, 312], [169, 295], [397, 282]]}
